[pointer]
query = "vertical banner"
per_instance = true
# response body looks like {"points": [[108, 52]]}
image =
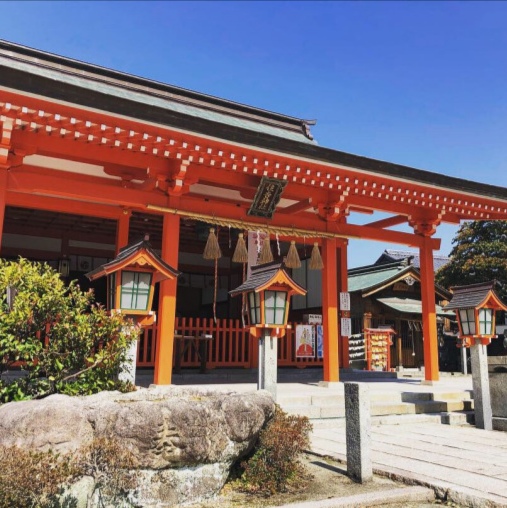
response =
{"points": [[305, 341], [319, 330]]}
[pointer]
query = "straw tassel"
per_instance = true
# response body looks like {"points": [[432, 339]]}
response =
{"points": [[292, 260], [212, 249], [240, 253], [316, 262], [266, 256]]}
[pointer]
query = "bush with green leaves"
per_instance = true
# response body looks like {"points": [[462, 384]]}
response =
{"points": [[274, 465], [61, 339]]}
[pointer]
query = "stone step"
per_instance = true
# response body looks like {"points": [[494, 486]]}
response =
{"points": [[422, 407], [316, 400], [332, 405], [418, 396], [396, 397], [331, 399], [330, 423], [458, 418], [315, 412]]}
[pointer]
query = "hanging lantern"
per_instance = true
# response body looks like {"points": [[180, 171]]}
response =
{"points": [[266, 256], [292, 260], [240, 253], [316, 262]]}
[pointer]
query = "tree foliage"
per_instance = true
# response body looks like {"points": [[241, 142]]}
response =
{"points": [[479, 254], [63, 342]]}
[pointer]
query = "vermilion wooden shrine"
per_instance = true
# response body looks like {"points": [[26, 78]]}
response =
{"points": [[93, 142]]}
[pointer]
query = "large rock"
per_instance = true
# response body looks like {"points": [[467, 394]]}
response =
{"points": [[185, 440]]}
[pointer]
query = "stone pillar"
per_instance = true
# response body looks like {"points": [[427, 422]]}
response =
{"points": [[128, 366], [358, 430], [480, 383], [268, 359]]}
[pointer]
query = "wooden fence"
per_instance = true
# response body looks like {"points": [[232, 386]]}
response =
{"points": [[230, 346]]}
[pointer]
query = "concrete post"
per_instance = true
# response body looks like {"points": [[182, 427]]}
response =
{"points": [[480, 384], [358, 432], [268, 359]]}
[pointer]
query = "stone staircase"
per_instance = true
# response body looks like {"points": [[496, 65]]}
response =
{"points": [[328, 409]]}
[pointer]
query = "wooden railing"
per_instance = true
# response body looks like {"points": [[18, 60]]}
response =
{"points": [[231, 345]]}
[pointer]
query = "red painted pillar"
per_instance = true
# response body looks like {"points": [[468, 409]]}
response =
{"points": [[330, 310], [429, 314], [166, 315], [122, 230], [343, 287], [3, 198]]}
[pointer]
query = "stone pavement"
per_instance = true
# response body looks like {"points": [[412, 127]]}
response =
{"points": [[462, 464]]}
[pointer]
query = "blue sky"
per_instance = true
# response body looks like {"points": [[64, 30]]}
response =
{"points": [[417, 83]]}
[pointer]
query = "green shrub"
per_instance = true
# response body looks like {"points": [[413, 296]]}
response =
{"points": [[85, 345], [275, 465]]}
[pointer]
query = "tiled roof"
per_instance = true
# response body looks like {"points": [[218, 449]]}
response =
{"points": [[466, 297], [388, 256], [259, 276], [150, 93], [128, 251], [368, 278], [360, 279], [262, 274]]}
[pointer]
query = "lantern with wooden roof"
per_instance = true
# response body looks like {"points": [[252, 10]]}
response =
{"points": [[475, 307], [131, 279], [267, 291]]}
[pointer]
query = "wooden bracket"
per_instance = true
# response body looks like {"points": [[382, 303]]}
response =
{"points": [[332, 212], [177, 178], [425, 226], [6, 128]]}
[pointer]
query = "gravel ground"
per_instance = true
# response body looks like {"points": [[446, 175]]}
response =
{"points": [[329, 480]]}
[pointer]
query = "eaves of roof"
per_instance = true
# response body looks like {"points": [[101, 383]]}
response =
{"points": [[279, 133], [373, 278], [410, 306], [368, 280]]}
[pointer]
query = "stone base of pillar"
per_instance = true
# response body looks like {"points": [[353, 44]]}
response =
{"points": [[330, 384]]}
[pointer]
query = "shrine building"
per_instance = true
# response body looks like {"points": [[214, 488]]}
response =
{"points": [[92, 159]]}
